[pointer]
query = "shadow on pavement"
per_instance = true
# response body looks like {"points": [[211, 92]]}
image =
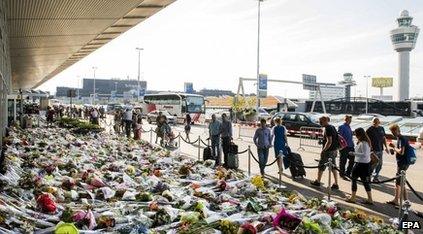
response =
{"points": [[378, 208]]}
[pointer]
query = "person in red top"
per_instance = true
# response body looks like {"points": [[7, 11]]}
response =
{"points": [[138, 128]]}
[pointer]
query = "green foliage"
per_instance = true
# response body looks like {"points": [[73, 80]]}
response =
{"points": [[79, 126]]}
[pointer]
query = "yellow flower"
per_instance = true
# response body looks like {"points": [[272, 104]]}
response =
{"points": [[258, 182]]}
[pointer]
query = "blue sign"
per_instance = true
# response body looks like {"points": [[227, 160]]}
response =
{"points": [[113, 94], [142, 92], [263, 82], [262, 85], [188, 87]]}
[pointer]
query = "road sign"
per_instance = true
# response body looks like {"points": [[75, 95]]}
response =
{"points": [[309, 79], [142, 92], [262, 85], [188, 87]]}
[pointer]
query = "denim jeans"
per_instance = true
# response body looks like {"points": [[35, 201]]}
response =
{"points": [[378, 167], [215, 148], [263, 155]]}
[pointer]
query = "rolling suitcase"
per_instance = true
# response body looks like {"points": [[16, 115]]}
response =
{"points": [[296, 165], [207, 154], [233, 160]]}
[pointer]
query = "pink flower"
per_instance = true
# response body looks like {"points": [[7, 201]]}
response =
{"points": [[286, 220]]}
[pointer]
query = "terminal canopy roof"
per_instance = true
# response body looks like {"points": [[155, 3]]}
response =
{"points": [[47, 36]]}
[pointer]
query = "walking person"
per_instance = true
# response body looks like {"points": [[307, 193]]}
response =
{"points": [[226, 136], [159, 125], [400, 151], [329, 151], [362, 167], [280, 141], [214, 136], [127, 117], [345, 131], [377, 138], [94, 116], [50, 116], [138, 128], [118, 120], [187, 127], [263, 140]]}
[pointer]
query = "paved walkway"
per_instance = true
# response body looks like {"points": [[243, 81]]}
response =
{"points": [[381, 193]]}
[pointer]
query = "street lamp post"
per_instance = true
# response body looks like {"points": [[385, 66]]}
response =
{"points": [[367, 93], [94, 68], [258, 53], [139, 71]]}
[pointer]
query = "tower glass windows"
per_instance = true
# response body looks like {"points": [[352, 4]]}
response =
{"points": [[403, 37]]}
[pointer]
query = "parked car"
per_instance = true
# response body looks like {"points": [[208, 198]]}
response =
{"points": [[295, 120], [152, 116], [263, 114]]}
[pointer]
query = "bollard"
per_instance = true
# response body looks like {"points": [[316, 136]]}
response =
{"points": [[249, 160], [179, 140], [279, 168], [330, 177], [151, 135], [239, 132], [402, 191], [199, 146]]}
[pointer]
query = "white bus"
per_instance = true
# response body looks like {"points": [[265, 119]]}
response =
{"points": [[177, 104]]}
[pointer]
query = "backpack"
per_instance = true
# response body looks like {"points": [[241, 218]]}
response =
{"points": [[342, 143], [410, 152]]}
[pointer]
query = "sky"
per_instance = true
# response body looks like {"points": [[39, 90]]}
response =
{"points": [[214, 42]]}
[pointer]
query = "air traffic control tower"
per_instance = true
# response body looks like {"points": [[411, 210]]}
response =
{"points": [[404, 39]]}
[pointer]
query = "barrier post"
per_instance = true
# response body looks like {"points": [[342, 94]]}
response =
{"points": [[179, 140], [199, 145], [330, 177], [279, 169], [402, 193], [151, 135], [239, 132], [249, 160]]}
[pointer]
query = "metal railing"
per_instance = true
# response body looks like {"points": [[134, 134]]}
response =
{"points": [[310, 137]]}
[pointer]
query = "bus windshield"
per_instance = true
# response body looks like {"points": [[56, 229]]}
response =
{"points": [[195, 104]]}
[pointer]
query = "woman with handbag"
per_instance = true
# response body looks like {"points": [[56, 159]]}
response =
{"points": [[362, 166]]}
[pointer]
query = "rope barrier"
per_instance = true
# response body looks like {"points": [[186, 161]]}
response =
{"points": [[414, 191], [206, 145], [371, 182], [242, 152], [191, 143], [255, 159]]}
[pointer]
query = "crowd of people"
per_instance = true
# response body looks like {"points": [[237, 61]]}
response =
{"points": [[89, 113], [361, 160]]}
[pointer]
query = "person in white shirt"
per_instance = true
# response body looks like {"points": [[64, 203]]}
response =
{"points": [[362, 166]]}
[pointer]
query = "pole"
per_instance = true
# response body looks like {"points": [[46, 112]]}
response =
{"points": [[94, 68], [249, 160], [139, 72], [179, 140], [402, 192], [367, 94], [258, 53], [330, 177], [199, 145], [239, 132]]}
